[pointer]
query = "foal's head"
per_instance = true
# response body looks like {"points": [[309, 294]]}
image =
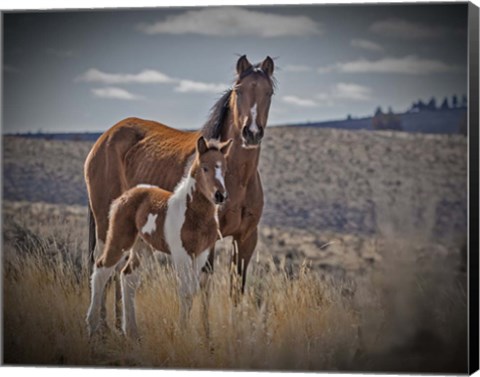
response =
{"points": [[251, 99], [209, 169]]}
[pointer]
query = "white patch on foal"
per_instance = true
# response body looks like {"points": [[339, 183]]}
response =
{"points": [[175, 217], [150, 226], [174, 220]]}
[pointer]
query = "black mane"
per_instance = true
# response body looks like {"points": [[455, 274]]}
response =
{"points": [[212, 129]]}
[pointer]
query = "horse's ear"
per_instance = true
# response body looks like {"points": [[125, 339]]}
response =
{"points": [[243, 64], [268, 66], [226, 146], [202, 146]]}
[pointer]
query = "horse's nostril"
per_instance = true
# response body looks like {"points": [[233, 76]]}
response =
{"points": [[219, 197], [260, 132]]}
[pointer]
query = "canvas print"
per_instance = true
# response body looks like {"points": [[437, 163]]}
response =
{"points": [[277, 188]]}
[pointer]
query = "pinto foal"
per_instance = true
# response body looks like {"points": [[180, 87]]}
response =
{"points": [[183, 223]]}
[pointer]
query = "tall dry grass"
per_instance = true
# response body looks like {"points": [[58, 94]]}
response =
{"points": [[402, 317]]}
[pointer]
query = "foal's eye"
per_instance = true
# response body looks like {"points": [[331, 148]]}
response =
{"points": [[205, 169]]}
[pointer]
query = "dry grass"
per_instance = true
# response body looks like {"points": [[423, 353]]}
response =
{"points": [[402, 317]]}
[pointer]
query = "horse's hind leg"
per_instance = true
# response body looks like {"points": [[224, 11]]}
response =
{"points": [[99, 280], [97, 252], [117, 279], [129, 282]]}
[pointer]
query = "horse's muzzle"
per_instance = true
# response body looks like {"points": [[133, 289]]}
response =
{"points": [[220, 198], [251, 138]]}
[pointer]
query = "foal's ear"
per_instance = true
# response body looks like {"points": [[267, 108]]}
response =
{"points": [[243, 64], [202, 146], [268, 66], [226, 146]]}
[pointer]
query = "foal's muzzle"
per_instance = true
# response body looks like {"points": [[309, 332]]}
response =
{"points": [[251, 138], [220, 198]]}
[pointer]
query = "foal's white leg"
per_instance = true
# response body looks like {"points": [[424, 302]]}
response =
{"points": [[99, 280], [129, 283], [99, 245], [188, 272], [187, 283]]}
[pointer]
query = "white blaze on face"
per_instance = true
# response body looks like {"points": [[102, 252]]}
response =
{"points": [[253, 112], [150, 226], [218, 174]]}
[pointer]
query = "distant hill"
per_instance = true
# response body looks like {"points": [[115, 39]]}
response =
{"points": [[65, 136], [441, 121], [445, 121], [314, 178]]}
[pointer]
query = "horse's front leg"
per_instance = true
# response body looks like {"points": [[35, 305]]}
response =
{"points": [[243, 251], [205, 279], [187, 283]]}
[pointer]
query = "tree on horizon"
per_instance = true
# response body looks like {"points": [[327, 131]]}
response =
{"points": [[445, 105]]}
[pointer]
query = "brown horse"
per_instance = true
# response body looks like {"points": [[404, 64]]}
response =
{"points": [[183, 223], [136, 151]]}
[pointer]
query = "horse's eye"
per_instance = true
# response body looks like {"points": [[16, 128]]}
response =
{"points": [[205, 169]]}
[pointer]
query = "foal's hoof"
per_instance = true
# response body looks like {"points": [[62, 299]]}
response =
{"points": [[99, 332], [132, 336]]}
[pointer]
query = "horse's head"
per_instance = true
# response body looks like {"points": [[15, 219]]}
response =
{"points": [[250, 100], [210, 169]]}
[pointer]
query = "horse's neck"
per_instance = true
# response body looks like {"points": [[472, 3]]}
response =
{"points": [[200, 210], [240, 159], [196, 204]]}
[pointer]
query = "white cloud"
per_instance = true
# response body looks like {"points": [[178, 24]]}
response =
{"points": [[297, 68], [404, 29], [340, 92], [147, 76], [298, 101], [350, 91], [366, 45], [233, 21], [188, 86], [408, 65], [115, 93]]}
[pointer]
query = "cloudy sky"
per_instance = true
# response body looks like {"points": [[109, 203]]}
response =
{"points": [[84, 71]]}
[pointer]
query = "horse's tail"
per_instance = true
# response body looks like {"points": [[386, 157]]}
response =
{"points": [[92, 238]]}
